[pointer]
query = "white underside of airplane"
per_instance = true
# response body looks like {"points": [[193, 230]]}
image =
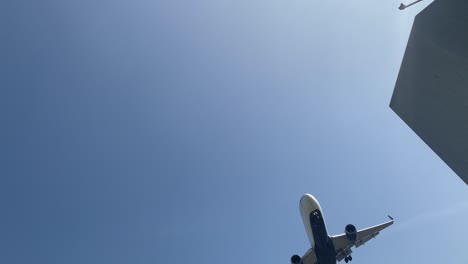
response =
{"points": [[325, 249]]}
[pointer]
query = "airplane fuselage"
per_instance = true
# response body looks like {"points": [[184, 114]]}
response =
{"points": [[314, 224]]}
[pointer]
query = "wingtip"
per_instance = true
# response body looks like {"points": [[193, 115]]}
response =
{"points": [[391, 218]]}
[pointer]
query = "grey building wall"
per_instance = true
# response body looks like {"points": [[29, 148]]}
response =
{"points": [[431, 92]]}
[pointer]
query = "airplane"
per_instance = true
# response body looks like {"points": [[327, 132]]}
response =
{"points": [[325, 249]]}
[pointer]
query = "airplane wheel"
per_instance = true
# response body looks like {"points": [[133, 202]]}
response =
{"points": [[350, 258], [346, 260]]}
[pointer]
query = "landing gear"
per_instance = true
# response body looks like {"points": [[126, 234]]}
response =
{"points": [[349, 258]]}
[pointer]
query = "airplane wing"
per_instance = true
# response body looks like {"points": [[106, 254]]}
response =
{"points": [[343, 245], [309, 257]]}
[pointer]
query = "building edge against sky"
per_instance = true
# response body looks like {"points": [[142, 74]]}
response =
{"points": [[431, 91]]}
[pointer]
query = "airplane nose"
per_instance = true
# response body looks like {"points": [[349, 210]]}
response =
{"points": [[309, 201], [308, 205]]}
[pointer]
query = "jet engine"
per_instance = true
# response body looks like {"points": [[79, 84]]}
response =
{"points": [[295, 259], [350, 231]]}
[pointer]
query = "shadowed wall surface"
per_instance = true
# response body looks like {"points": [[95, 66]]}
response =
{"points": [[431, 93]]}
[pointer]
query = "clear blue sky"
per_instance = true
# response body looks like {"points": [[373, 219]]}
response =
{"points": [[186, 131]]}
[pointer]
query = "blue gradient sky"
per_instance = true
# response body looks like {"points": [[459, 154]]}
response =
{"points": [[186, 131]]}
